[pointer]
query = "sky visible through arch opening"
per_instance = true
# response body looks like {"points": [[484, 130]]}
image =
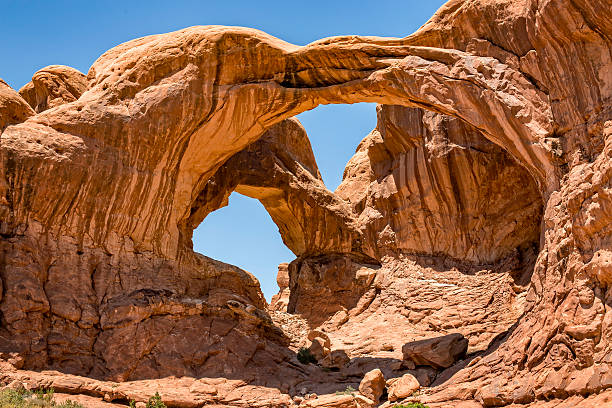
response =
{"points": [[243, 233], [39, 33]]}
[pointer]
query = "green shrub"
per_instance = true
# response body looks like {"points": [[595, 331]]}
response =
{"points": [[13, 398], [45, 396], [349, 390], [38, 399], [304, 356], [410, 405], [155, 402]]}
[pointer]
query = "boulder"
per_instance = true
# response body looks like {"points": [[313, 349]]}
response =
{"points": [[372, 385], [319, 349], [439, 352], [402, 387], [336, 359], [313, 334]]}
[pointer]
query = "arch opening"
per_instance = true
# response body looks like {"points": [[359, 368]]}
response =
{"points": [[243, 234], [334, 132], [454, 222]]}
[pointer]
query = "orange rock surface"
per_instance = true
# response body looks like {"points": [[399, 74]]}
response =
{"points": [[481, 204]]}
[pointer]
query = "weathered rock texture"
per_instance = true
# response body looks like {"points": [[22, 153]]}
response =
{"points": [[424, 183], [53, 86], [280, 171], [488, 214], [280, 301], [428, 188], [13, 109]]}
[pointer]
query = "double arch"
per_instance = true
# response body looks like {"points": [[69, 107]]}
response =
{"points": [[178, 105]]}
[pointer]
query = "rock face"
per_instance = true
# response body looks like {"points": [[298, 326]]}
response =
{"points": [[480, 205], [425, 183], [53, 86], [280, 301]]}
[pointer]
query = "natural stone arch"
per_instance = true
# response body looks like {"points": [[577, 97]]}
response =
{"points": [[430, 189], [280, 171], [205, 93], [109, 162], [446, 177]]}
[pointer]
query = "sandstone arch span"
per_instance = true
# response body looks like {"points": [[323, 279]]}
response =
{"points": [[97, 192], [280, 171], [205, 93]]}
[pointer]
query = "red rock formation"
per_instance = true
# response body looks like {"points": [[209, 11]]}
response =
{"points": [[280, 301], [99, 195], [280, 171], [13, 109], [53, 86], [432, 196], [429, 184]]}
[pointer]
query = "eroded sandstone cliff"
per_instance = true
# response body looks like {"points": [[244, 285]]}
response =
{"points": [[481, 204]]}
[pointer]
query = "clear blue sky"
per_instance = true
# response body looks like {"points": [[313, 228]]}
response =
{"points": [[34, 34]]}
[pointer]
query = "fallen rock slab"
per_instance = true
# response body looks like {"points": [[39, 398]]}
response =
{"points": [[340, 401], [439, 352]]}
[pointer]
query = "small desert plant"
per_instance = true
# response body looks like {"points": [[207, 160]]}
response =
{"points": [[45, 396], [410, 405], [27, 399], [155, 402], [304, 356], [349, 390], [13, 398]]}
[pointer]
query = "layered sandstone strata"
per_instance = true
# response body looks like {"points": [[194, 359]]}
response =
{"points": [[101, 185]]}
